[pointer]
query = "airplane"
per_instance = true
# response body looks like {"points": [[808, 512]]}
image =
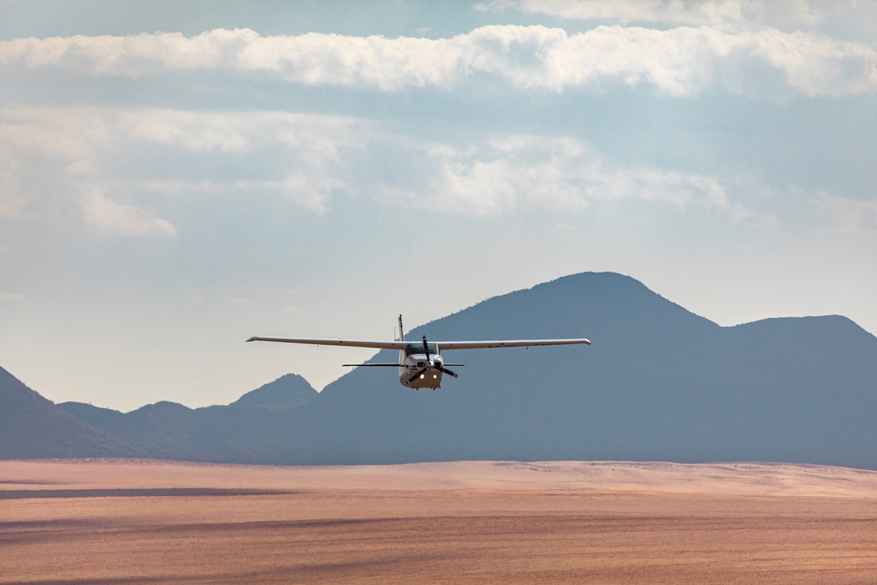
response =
{"points": [[420, 364]]}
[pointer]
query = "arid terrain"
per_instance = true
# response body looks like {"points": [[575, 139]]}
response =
{"points": [[132, 521]]}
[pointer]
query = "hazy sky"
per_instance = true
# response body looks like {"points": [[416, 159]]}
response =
{"points": [[176, 177]]}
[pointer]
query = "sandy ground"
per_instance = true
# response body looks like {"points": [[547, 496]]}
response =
{"points": [[476, 522]]}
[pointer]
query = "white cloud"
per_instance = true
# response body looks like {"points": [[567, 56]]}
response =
{"points": [[124, 219], [197, 131], [523, 172], [679, 61], [848, 214], [849, 19], [42, 153], [52, 163], [235, 132], [310, 158], [53, 132], [311, 144], [688, 12], [78, 161], [312, 192]]}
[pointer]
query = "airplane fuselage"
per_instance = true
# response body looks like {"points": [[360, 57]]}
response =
{"points": [[413, 359]]}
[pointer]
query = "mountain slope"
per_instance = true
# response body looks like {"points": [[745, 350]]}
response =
{"points": [[32, 427], [287, 391], [93, 415], [283, 393], [167, 430]]}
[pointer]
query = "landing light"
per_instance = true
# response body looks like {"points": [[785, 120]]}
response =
{"points": [[435, 375], [421, 376]]}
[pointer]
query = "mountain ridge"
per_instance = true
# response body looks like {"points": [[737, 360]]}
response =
{"points": [[658, 383]]}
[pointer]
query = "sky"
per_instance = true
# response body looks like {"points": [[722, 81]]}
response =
{"points": [[176, 177]]}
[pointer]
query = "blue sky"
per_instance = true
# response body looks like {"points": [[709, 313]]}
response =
{"points": [[178, 176]]}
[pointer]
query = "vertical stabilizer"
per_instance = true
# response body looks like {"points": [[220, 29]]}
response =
{"points": [[401, 330]]}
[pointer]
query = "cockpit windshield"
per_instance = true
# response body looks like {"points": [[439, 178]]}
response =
{"points": [[418, 348]]}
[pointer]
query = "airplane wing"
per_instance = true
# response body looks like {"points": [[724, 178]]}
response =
{"points": [[347, 342], [370, 365], [516, 343], [403, 344]]}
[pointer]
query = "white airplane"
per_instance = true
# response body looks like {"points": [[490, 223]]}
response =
{"points": [[420, 363]]}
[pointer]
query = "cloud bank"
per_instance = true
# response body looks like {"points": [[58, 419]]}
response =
{"points": [[796, 13], [681, 61], [524, 172], [83, 168]]}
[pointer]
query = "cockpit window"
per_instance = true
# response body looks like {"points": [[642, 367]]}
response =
{"points": [[418, 348]]}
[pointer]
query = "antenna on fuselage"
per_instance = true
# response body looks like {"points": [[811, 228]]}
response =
{"points": [[401, 330]]}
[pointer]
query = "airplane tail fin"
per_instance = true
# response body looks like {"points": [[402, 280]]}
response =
{"points": [[401, 330]]}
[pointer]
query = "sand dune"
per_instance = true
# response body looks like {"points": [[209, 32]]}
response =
{"points": [[476, 522]]}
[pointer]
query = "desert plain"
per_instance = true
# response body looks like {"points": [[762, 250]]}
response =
{"points": [[135, 521]]}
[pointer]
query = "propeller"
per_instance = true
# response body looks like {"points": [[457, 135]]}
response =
{"points": [[446, 371]]}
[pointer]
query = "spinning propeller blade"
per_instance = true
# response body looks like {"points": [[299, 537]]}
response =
{"points": [[446, 371]]}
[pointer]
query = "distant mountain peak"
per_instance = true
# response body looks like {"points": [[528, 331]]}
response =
{"points": [[287, 391]]}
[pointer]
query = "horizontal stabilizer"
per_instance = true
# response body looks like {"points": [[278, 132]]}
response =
{"points": [[371, 365]]}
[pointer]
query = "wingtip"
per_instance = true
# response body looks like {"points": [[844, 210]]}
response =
{"points": [[588, 342], [251, 339]]}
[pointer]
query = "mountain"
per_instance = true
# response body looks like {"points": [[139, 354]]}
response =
{"points": [[167, 430], [283, 393], [32, 427], [93, 415], [658, 383], [288, 391]]}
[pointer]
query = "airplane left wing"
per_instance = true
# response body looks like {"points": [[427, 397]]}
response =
{"points": [[516, 343], [347, 342]]}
